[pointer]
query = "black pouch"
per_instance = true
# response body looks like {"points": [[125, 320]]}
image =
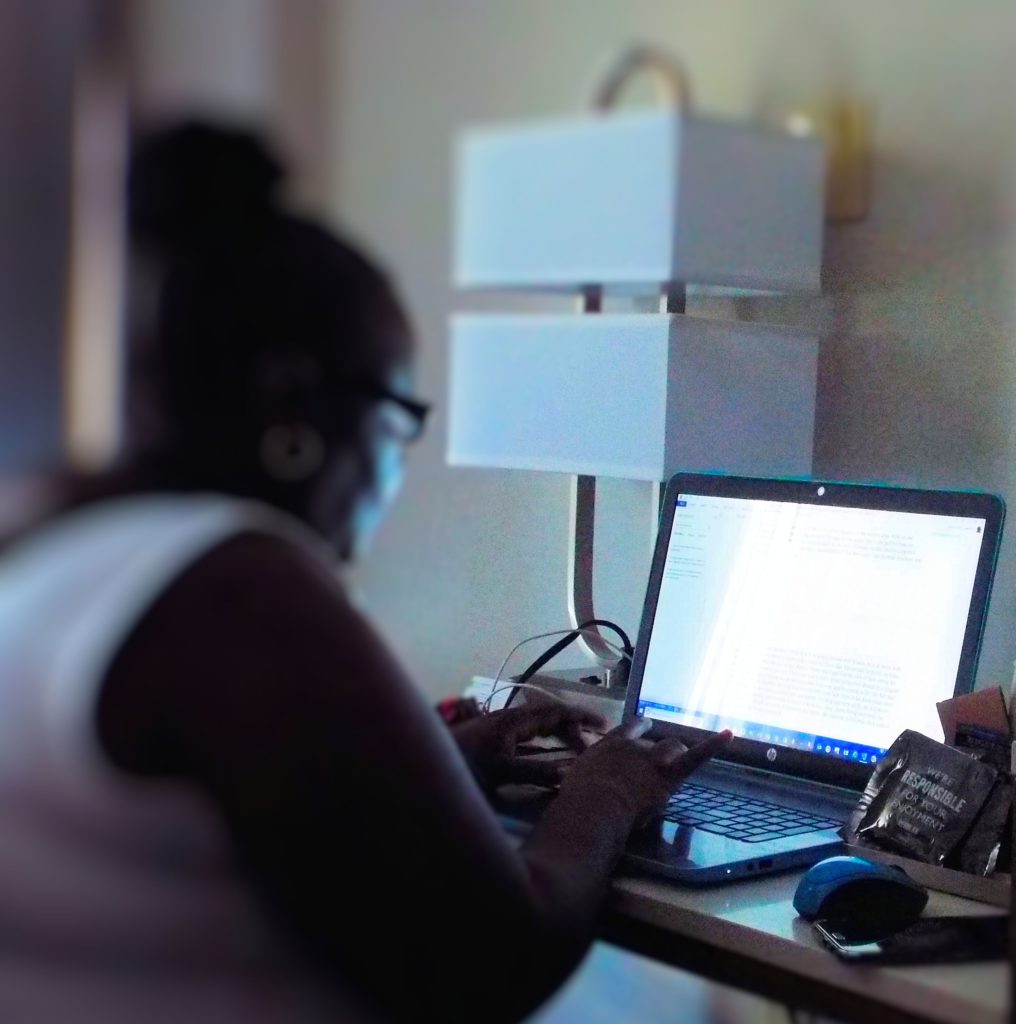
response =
{"points": [[985, 848], [921, 800]]}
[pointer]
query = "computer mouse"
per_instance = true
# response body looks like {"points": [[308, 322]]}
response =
{"points": [[855, 891]]}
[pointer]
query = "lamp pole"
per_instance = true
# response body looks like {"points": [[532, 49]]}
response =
{"points": [[582, 505]]}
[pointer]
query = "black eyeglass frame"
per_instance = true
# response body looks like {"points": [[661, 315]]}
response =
{"points": [[417, 409]]}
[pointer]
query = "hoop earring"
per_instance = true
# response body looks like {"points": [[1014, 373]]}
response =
{"points": [[291, 452]]}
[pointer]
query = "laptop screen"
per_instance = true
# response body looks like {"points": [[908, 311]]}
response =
{"points": [[826, 628]]}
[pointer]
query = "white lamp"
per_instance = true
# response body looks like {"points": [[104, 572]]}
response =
{"points": [[636, 396], [639, 199], [633, 204]]}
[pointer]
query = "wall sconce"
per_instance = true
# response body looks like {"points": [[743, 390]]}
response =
{"points": [[845, 126]]}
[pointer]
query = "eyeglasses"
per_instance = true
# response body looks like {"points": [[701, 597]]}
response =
{"points": [[412, 418]]}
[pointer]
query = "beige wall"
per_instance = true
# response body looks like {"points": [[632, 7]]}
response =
{"points": [[919, 317]]}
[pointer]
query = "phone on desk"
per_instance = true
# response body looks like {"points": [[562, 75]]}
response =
{"points": [[931, 940]]}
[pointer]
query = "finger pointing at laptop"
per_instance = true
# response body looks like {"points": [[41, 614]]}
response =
{"points": [[639, 773]]}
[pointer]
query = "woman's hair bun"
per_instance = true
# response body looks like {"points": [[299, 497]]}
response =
{"points": [[198, 179]]}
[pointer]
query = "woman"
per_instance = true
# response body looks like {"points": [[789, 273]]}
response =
{"points": [[222, 798]]}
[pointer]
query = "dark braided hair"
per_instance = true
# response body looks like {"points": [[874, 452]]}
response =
{"points": [[262, 314]]}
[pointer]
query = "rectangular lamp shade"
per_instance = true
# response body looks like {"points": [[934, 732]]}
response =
{"points": [[635, 396], [636, 199]]}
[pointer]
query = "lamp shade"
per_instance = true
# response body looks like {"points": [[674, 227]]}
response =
{"points": [[636, 199], [637, 396]]}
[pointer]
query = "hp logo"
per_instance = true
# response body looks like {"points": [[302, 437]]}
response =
{"points": [[771, 754]]}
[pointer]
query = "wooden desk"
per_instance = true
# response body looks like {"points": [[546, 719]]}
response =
{"points": [[749, 936]]}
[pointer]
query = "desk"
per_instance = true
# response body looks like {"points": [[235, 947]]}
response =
{"points": [[749, 936]]}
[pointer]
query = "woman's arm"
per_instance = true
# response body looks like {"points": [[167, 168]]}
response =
{"points": [[348, 802]]}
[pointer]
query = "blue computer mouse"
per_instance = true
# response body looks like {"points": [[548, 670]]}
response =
{"points": [[855, 891]]}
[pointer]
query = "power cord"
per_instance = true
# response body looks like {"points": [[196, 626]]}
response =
{"points": [[521, 686], [569, 635], [584, 628]]}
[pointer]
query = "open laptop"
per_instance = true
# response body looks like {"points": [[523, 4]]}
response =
{"points": [[816, 621]]}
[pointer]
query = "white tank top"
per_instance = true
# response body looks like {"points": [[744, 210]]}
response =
{"points": [[119, 901]]}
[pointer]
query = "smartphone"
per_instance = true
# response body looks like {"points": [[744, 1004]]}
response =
{"points": [[931, 940]]}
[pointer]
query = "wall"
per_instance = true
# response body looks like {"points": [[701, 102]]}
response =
{"points": [[194, 54], [252, 61], [917, 373], [38, 43]]}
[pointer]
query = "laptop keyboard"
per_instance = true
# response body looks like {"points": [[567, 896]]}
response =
{"points": [[741, 817]]}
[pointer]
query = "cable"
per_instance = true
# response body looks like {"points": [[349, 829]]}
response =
{"points": [[584, 627], [625, 639], [622, 652], [525, 686]]}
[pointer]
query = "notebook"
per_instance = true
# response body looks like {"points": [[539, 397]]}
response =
{"points": [[817, 621]]}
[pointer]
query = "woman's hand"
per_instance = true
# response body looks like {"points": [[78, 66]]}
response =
{"points": [[639, 774], [490, 742]]}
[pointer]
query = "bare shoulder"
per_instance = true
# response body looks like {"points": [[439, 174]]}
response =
{"points": [[259, 572]]}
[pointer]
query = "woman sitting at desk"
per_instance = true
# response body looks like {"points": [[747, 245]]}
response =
{"points": [[221, 798]]}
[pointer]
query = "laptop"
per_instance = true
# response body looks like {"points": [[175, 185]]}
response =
{"points": [[816, 621]]}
